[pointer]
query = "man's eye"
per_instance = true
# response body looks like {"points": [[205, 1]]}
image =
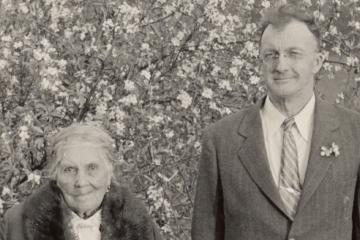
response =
{"points": [[93, 167], [294, 54], [270, 55]]}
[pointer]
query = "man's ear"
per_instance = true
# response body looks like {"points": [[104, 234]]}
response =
{"points": [[320, 58]]}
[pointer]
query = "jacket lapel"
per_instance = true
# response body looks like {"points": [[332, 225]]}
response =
{"points": [[252, 153], [325, 125]]}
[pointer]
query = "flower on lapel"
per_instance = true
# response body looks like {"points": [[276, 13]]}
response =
{"points": [[332, 150]]}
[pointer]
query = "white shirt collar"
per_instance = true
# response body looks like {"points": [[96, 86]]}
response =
{"points": [[93, 221], [274, 118]]}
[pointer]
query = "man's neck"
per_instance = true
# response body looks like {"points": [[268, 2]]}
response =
{"points": [[289, 106]]}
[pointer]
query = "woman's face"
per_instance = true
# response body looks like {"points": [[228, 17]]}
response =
{"points": [[83, 176]]}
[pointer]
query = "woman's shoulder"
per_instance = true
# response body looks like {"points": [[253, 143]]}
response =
{"points": [[121, 197], [121, 208]]}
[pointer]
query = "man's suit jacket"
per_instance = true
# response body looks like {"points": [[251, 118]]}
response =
{"points": [[236, 196]]}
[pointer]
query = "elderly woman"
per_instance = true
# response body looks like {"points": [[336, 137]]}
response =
{"points": [[82, 201]]}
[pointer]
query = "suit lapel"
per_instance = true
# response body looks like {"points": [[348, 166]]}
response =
{"points": [[324, 133], [253, 155]]}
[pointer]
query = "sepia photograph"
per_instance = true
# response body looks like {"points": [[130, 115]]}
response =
{"points": [[179, 120]]}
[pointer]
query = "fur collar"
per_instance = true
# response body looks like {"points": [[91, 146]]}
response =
{"points": [[122, 217]]}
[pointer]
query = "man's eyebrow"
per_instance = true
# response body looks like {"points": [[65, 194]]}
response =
{"points": [[295, 48]]}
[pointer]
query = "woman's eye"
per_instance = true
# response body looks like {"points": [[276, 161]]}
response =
{"points": [[69, 170]]}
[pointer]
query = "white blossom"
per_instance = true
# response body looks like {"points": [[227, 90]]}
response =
{"points": [[265, 4], [129, 85], [225, 84], [1, 206], [146, 74], [177, 40], [156, 119], [169, 134], [38, 54], [62, 63], [5, 191], [6, 52], [28, 119], [130, 99], [18, 44], [145, 46], [254, 79], [352, 61], [234, 71], [23, 133], [3, 64], [333, 30], [120, 128], [101, 109], [185, 99], [207, 93], [35, 178], [6, 38], [52, 71]]}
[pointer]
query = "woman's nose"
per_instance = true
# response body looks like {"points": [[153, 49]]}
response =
{"points": [[80, 179]]}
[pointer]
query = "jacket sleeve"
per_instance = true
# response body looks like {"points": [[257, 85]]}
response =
{"points": [[2, 229], [157, 235], [208, 216], [11, 226]]}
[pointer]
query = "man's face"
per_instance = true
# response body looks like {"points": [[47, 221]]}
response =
{"points": [[290, 60]]}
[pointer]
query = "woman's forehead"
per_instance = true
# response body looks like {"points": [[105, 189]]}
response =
{"points": [[82, 155]]}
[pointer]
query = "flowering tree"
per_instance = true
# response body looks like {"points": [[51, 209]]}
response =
{"points": [[154, 73]]}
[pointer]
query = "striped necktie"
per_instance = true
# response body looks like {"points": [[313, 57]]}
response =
{"points": [[289, 187]]}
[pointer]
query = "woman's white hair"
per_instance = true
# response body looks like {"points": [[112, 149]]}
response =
{"points": [[76, 135]]}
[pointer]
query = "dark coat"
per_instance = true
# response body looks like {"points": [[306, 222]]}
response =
{"points": [[237, 199], [40, 217]]}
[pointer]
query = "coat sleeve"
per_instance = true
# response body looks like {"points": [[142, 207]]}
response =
{"points": [[208, 215], [2, 229], [356, 210], [156, 231], [11, 226]]}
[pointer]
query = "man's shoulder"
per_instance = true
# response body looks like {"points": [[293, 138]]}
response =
{"points": [[343, 113], [231, 122], [13, 216]]}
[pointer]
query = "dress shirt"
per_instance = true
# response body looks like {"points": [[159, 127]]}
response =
{"points": [[86, 229], [272, 119]]}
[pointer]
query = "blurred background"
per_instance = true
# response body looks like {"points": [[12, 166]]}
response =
{"points": [[155, 73]]}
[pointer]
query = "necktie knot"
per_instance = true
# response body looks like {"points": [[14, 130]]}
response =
{"points": [[288, 123]]}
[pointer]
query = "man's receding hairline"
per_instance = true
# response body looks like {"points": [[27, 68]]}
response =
{"points": [[281, 27]]}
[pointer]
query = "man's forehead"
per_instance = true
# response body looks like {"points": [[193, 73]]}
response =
{"points": [[294, 34]]}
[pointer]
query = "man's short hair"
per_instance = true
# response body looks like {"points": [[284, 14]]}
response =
{"points": [[280, 16]]}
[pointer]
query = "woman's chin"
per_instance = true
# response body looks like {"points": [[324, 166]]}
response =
{"points": [[84, 205]]}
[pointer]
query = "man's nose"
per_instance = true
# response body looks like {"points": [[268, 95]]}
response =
{"points": [[282, 63]]}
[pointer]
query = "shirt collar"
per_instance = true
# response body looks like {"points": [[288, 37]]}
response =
{"points": [[93, 221], [274, 118], [304, 119]]}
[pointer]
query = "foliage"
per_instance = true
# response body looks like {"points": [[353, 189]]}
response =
{"points": [[154, 72]]}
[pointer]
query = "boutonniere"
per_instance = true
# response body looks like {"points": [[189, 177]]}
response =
{"points": [[333, 150]]}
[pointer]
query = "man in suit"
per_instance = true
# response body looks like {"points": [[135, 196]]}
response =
{"points": [[286, 168]]}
